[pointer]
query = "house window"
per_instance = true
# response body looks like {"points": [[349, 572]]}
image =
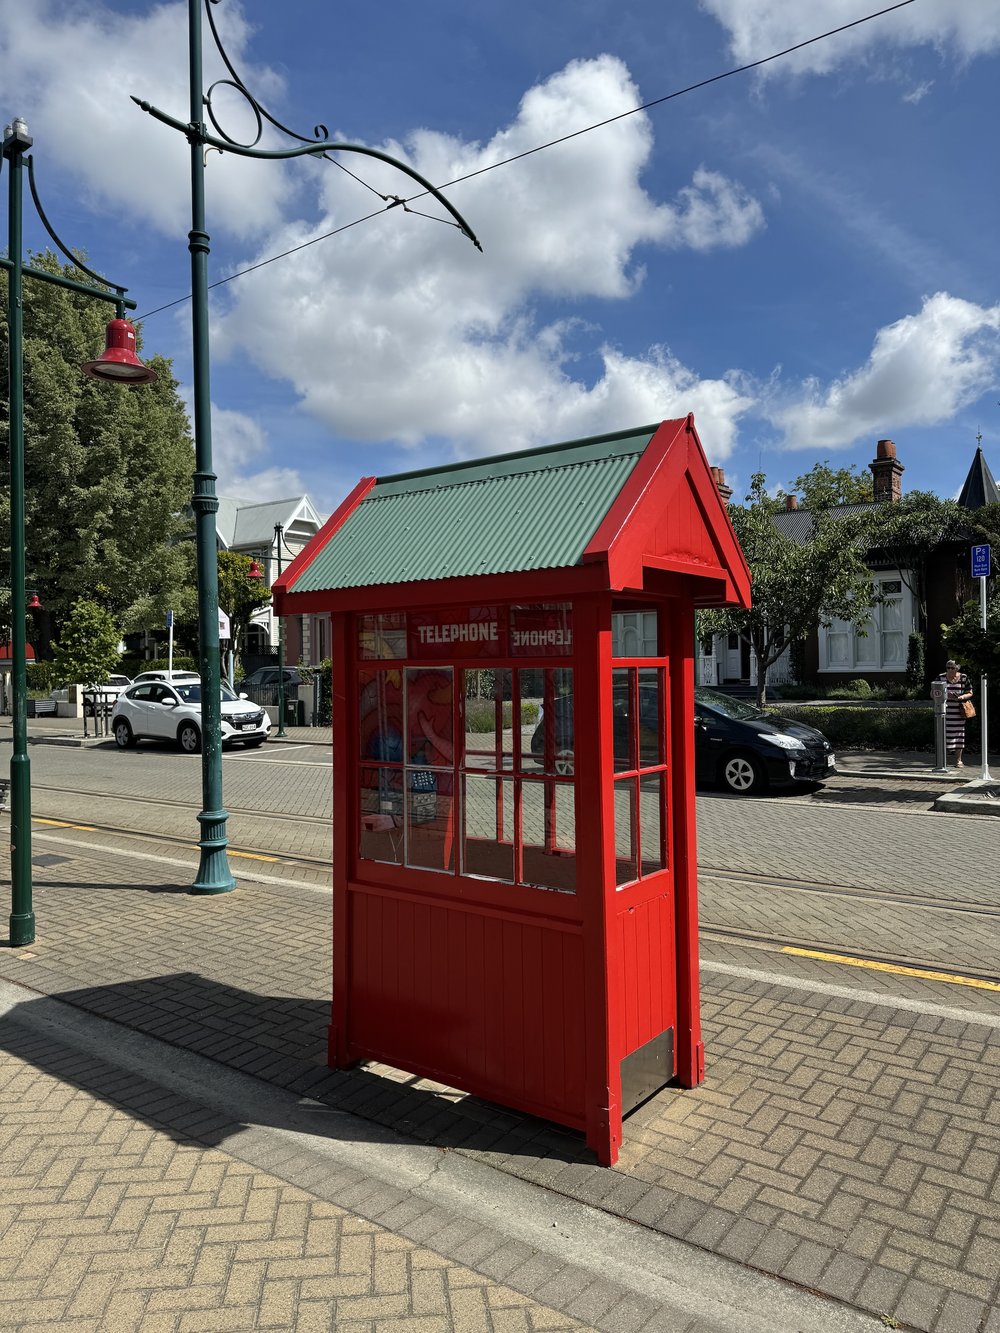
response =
{"points": [[882, 647]]}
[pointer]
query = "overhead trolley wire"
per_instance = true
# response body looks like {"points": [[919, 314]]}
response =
{"points": [[543, 147]]}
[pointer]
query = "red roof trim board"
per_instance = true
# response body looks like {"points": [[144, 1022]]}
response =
{"points": [[671, 485], [308, 554]]}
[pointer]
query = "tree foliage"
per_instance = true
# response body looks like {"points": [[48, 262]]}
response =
{"points": [[240, 596], [795, 586], [107, 468], [88, 646], [824, 487], [910, 531]]}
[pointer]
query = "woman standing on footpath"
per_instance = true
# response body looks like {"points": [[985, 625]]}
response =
{"points": [[959, 690]]}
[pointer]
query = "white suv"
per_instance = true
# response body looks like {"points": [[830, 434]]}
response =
{"points": [[104, 697], [171, 710]]}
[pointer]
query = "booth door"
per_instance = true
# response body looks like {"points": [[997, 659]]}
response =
{"points": [[644, 930]]}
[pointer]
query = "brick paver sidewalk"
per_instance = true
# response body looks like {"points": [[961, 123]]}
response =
{"points": [[109, 1221], [846, 1145]]}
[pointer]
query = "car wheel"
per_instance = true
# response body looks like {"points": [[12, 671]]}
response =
{"points": [[123, 735], [564, 763], [189, 738], [743, 774]]}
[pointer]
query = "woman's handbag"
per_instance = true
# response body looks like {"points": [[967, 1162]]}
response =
{"points": [[968, 708]]}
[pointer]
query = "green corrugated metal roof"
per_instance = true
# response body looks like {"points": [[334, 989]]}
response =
{"points": [[512, 513]]}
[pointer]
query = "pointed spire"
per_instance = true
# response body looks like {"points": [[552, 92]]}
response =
{"points": [[980, 488]]}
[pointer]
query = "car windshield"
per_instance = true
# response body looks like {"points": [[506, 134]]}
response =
{"points": [[727, 705], [191, 693]]}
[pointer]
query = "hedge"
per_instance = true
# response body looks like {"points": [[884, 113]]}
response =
{"points": [[868, 728]]}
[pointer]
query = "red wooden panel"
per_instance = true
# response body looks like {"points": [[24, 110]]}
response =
{"points": [[480, 1002], [645, 937]]}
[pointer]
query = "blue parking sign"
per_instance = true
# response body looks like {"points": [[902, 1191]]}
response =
{"points": [[980, 562]]}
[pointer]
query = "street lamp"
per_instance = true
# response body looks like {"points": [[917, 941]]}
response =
{"points": [[16, 142], [214, 874]]}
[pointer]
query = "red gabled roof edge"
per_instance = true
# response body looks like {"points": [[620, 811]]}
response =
{"points": [[630, 495], [614, 527], [283, 586]]}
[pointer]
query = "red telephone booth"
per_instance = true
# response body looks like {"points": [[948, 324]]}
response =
{"points": [[514, 883]]}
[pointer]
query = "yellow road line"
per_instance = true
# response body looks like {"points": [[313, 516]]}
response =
{"points": [[924, 973], [88, 828], [60, 823]]}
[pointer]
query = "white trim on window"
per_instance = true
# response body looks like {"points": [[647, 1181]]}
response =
{"points": [[884, 648]]}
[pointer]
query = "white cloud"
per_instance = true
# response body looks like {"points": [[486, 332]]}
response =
{"points": [[756, 28], [921, 371], [237, 441], [918, 93], [70, 70], [400, 330]]}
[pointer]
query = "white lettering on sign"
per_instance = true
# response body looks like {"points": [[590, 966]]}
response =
{"points": [[479, 631], [542, 638]]}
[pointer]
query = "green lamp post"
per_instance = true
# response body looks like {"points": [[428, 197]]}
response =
{"points": [[214, 874], [117, 365]]}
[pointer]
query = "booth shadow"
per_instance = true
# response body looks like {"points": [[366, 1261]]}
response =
{"points": [[282, 1042]]}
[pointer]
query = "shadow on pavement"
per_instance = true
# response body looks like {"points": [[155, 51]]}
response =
{"points": [[283, 1041]]}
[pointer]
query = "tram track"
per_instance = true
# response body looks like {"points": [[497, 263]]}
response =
{"points": [[706, 873], [906, 963], [902, 897], [255, 813]]}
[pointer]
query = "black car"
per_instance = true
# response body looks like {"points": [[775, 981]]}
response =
{"points": [[746, 750], [736, 744]]}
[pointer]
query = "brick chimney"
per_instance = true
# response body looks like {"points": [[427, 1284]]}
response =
{"points": [[886, 472], [791, 502], [720, 480]]}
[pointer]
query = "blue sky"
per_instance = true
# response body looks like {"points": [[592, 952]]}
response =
{"points": [[803, 256]]}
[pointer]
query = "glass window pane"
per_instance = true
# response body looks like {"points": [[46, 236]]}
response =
{"points": [[893, 650], [626, 832], [650, 716], [550, 746], [837, 649], [381, 831], [543, 630], [651, 807], [623, 715], [380, 695], [430, 835], [488, 712], [429, 697], [382, 636], [634, 634], [548, 835], [488, 842]]}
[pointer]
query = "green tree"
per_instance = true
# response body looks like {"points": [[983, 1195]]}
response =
{"points": [[88, 647], [107, 468], [912, 530], [240, 596], [976, 648], [795, 586], [823, 486]]}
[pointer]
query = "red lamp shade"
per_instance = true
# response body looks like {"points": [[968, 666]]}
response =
{"points": [[118, 364], [254, 571], [33, 603]]}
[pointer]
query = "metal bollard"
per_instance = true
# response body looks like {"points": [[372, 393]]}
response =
{"points": [[939, 693]]}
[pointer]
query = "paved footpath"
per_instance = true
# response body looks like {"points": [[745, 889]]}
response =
{"points": [[846, 1141]]}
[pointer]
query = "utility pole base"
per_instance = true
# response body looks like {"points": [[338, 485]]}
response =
{"points": [[214, 875], [22, 929]]}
